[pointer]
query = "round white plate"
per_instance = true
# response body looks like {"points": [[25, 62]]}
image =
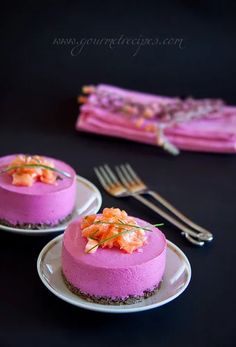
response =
{"points": [[88, 201], [176, 279]]}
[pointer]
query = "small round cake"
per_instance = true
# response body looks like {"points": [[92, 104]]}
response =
{"points": [[35, 192], [103, 269]]}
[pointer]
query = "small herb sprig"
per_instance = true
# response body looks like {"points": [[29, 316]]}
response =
{"points": [[121, 224], [15, 167], [108, 239]]}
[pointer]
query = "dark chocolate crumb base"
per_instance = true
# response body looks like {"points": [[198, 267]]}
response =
{"points": [[38, 226], [109, 301]]}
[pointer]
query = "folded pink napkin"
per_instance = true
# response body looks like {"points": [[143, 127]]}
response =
{"points": [[197, 125]]}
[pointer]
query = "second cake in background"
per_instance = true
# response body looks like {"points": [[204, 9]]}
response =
{"points": [[35, 191]]}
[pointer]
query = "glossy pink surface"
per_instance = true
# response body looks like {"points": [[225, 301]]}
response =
{"points": [[111, 272], [41, 203]]}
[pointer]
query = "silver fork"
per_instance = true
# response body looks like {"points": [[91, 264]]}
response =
{"points": [[136, 185], [114, 187]]}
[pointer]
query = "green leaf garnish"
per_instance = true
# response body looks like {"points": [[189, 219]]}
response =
{"points": [[14, 167]]}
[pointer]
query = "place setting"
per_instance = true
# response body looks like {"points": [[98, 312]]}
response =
{"points": [[122, 249], [54, 261], [117, 174], [95, 251], [102, 245]]}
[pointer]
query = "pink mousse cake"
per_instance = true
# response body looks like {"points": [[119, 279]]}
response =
{"points": [[109, 275], [39, 205]]}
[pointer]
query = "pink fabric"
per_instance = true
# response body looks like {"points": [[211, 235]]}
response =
{"points": [[210, 134]]}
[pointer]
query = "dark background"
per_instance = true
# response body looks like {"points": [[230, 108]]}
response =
{"points": [[38, 110]]}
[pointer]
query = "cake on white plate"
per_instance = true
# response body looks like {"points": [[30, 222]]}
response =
{"points": [[35, 191], [112, 258]]}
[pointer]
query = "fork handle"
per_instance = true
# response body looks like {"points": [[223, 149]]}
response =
{"points": [[180, 215], [191, 235]]}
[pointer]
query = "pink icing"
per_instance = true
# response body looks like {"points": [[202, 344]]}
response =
{"points": [[111, 272], [40, 203]]}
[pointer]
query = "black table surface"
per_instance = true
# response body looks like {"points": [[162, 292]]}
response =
{"points": [[38, 110]]}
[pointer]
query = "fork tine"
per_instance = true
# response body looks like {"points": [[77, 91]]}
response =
{"points": [[122, 178], [133, 173], [127, 175], [106, 177], [112, 175], [101, 179]]}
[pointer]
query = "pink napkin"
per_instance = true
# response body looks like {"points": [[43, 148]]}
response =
{"points": [[196, 125]]}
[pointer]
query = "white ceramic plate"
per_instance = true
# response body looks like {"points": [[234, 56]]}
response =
{"points": [[88, 201], [175, 281]]}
